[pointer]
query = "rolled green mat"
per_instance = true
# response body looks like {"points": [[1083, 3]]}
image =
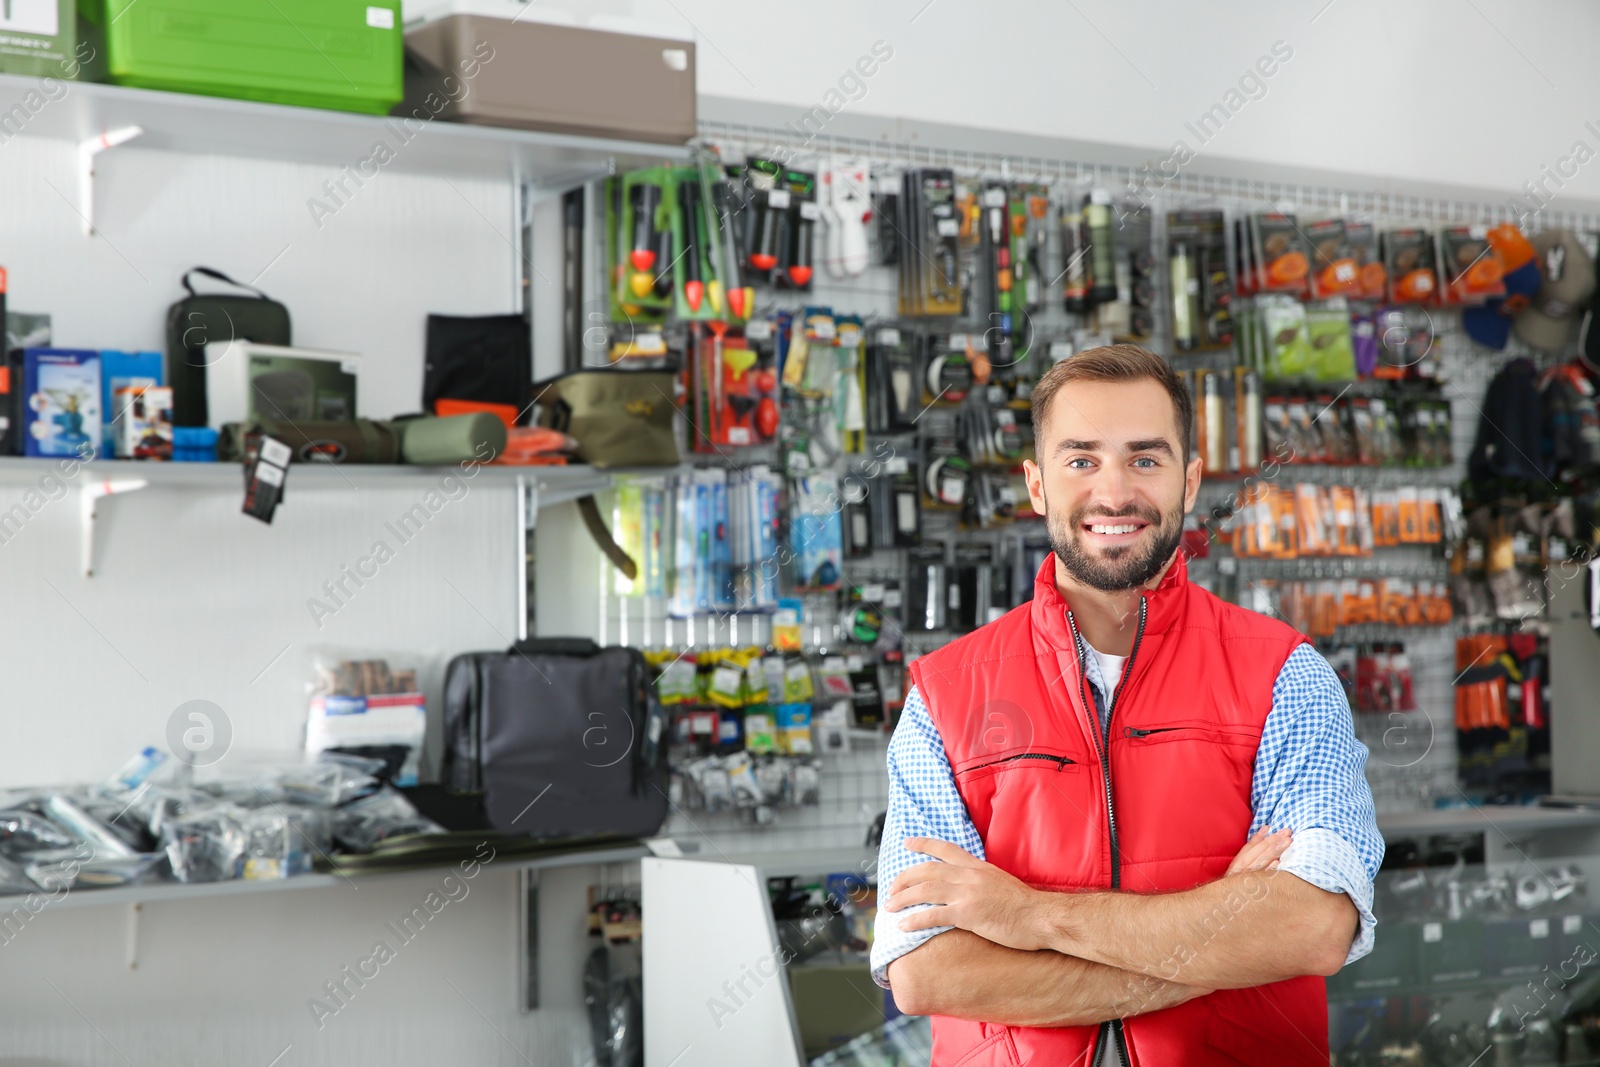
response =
{"points": [[436, 441]]}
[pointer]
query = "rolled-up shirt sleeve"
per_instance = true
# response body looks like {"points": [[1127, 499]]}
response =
{"points": [[923, 802], [1310, 776]]}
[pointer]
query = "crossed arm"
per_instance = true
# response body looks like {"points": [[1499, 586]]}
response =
{"points": [[1031, 957]]}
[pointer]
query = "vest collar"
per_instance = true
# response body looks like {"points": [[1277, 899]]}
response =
{"points": [[1049, 611]]}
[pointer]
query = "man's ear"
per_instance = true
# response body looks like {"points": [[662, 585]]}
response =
{"points": [[1191, 483], [1035, 479]]}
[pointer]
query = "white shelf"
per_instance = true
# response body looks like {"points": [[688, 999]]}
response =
{"points": [[158, 892], [555, 485], [1493, 818], [205, 125]]}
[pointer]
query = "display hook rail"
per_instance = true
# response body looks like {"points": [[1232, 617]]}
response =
{"points": [[1127, 180]]}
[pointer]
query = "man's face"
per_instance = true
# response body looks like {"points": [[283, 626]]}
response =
{"points": [[1111, 481]]}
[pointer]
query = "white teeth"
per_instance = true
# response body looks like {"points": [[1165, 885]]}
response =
{"points": [[1113, 529]]}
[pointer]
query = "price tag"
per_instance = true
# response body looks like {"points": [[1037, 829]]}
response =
{"points": [[809, 211], [948, 227], [872, 593], [1432, 932], [1060, 350], [1538, 928], [889, 336], [1572, 924], [758, 330], [896, 465], [995, 197], [778, 199]]}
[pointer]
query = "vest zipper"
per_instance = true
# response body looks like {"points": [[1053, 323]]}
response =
{"points": [[1134, 731], [1059, 761], [1104, 740]]}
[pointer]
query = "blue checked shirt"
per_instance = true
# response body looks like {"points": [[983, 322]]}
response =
{"points": [[1309, 777]]}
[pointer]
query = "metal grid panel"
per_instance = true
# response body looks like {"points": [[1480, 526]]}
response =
{"points": [[1412, 755]]}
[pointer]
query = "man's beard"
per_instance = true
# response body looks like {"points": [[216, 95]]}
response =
{"points": [[1121, 567]]}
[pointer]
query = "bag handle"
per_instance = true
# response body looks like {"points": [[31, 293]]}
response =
{"points": [[210, 272], [602, 537], [555, 646]]}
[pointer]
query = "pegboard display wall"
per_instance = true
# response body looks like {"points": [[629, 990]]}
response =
{"points": [[1412, 754]]}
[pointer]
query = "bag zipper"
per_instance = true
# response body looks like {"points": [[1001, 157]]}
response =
{"points": [[1060, 761], [1104, 744]]}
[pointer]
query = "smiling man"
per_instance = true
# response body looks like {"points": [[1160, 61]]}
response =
{"points": [[1128, 822]]}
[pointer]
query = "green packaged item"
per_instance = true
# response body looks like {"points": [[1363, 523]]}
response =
{"points": [[1287, 343], [40, 38], [759, 734], [346, 55], [1333, 355], [677, 682]]}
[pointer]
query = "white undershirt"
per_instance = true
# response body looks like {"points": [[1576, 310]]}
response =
{"points": [[1110, 669]]}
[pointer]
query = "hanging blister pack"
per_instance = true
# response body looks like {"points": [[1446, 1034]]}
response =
{"points": [[846, 203]]}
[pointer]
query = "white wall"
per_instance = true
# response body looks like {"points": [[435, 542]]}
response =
{"points": [[1478, 94], [193, 600]]}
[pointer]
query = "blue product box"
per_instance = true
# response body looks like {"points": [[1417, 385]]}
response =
{"points": [[124, 370], [62, 408]]}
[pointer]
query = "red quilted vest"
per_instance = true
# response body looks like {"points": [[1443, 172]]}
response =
{"points": [[1166, 807]]}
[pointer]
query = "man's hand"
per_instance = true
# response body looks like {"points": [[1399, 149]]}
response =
{"points": [[1261, 852], [973, 895], [980, 897]]}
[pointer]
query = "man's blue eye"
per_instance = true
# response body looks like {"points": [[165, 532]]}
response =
{"points": [[1077, 460], [1146, 460]]}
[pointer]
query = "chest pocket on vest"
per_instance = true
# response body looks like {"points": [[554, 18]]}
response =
{"points": [[1039, 812], [1183, 799]]}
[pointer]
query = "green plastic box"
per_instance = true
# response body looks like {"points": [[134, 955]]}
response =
{"points": [[346, 55]]}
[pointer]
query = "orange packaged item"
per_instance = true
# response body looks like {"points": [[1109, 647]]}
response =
{"points": [[1432, 517], [1287, 541], [1472, 267], [1343, 499], [1362, 240], [1333, 265], [1327, 609], [1408, 258], [1280, 253], [1349, 602], [1309, 518], [1409, 511], [1363, 514], [533, 446]]}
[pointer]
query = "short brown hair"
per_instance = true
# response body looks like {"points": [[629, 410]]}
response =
{"points": [[1115, 363]]}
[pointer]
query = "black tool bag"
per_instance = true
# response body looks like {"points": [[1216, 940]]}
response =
{"points": [[487, 360], [201, 319], [560, 736]]}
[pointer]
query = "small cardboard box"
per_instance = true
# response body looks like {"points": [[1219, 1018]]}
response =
{"points": [[40, 38]]}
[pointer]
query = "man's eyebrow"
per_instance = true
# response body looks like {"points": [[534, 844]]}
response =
{"points": [[1151, 444]]}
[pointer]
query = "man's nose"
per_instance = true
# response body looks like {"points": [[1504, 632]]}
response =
{"points": [[1113, 489]]}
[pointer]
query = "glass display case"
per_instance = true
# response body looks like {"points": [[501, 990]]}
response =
{"points": [[1488, 944]]}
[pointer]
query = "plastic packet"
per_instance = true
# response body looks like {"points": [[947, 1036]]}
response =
{"points": [[384, 815], [206, 844], [742, 780], [14, 881], [70, 814], [268, 844], [79, 867], [23, 833]]}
